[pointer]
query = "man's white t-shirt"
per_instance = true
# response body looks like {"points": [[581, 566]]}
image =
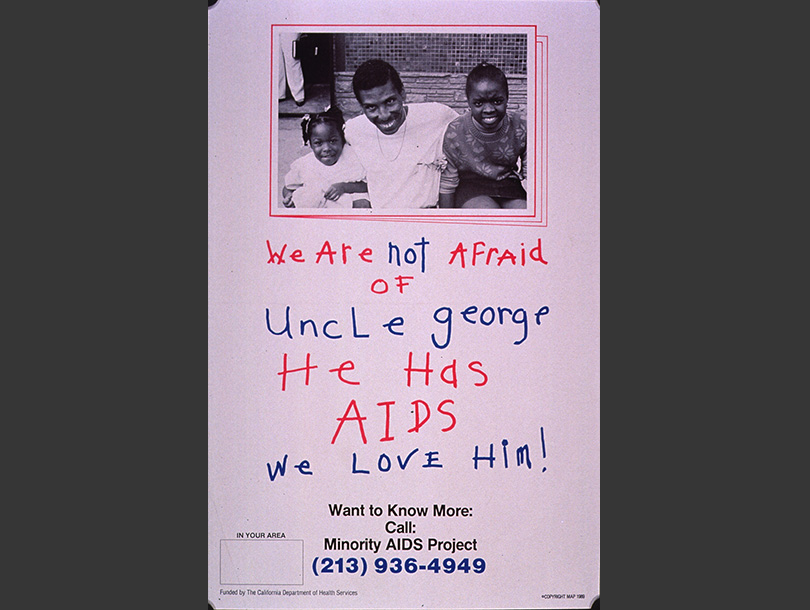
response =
{"points": [[403, 169]]}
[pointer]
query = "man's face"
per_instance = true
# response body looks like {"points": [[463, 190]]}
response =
{"points": [[384, 106]]}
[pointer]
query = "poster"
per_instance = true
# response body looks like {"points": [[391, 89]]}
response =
{"points": [[403, 399]]}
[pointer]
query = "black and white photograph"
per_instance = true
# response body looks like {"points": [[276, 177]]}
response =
{"points": [[400, 121]]}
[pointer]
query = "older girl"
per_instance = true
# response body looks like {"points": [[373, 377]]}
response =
{"points": [[485, 148]]}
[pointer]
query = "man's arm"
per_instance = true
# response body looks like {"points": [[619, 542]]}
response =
{"points": [[334, 192]]}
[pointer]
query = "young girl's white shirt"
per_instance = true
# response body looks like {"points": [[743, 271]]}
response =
{"points": [[308, 178]]}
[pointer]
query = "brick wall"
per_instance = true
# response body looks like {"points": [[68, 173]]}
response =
{"points": [[432, 52], [428, 87]]}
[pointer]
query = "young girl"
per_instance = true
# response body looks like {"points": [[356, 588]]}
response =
{"points": [[331, 175], [483, 147]]}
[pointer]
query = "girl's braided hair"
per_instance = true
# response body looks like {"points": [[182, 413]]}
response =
{"points": [[332, 115]]}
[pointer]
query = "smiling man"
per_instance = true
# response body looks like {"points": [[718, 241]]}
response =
{"points": [[399, 144]]}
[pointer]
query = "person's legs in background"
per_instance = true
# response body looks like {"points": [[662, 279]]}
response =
{"points": [[290, 72]]}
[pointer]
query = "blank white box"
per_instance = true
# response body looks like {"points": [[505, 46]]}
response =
{"points": [[261, 562]]}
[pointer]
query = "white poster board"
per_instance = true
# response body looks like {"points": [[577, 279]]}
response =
{"points": [[403, 403]]}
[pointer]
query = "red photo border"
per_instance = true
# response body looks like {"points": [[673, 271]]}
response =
{"points": [[538, 218]]}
